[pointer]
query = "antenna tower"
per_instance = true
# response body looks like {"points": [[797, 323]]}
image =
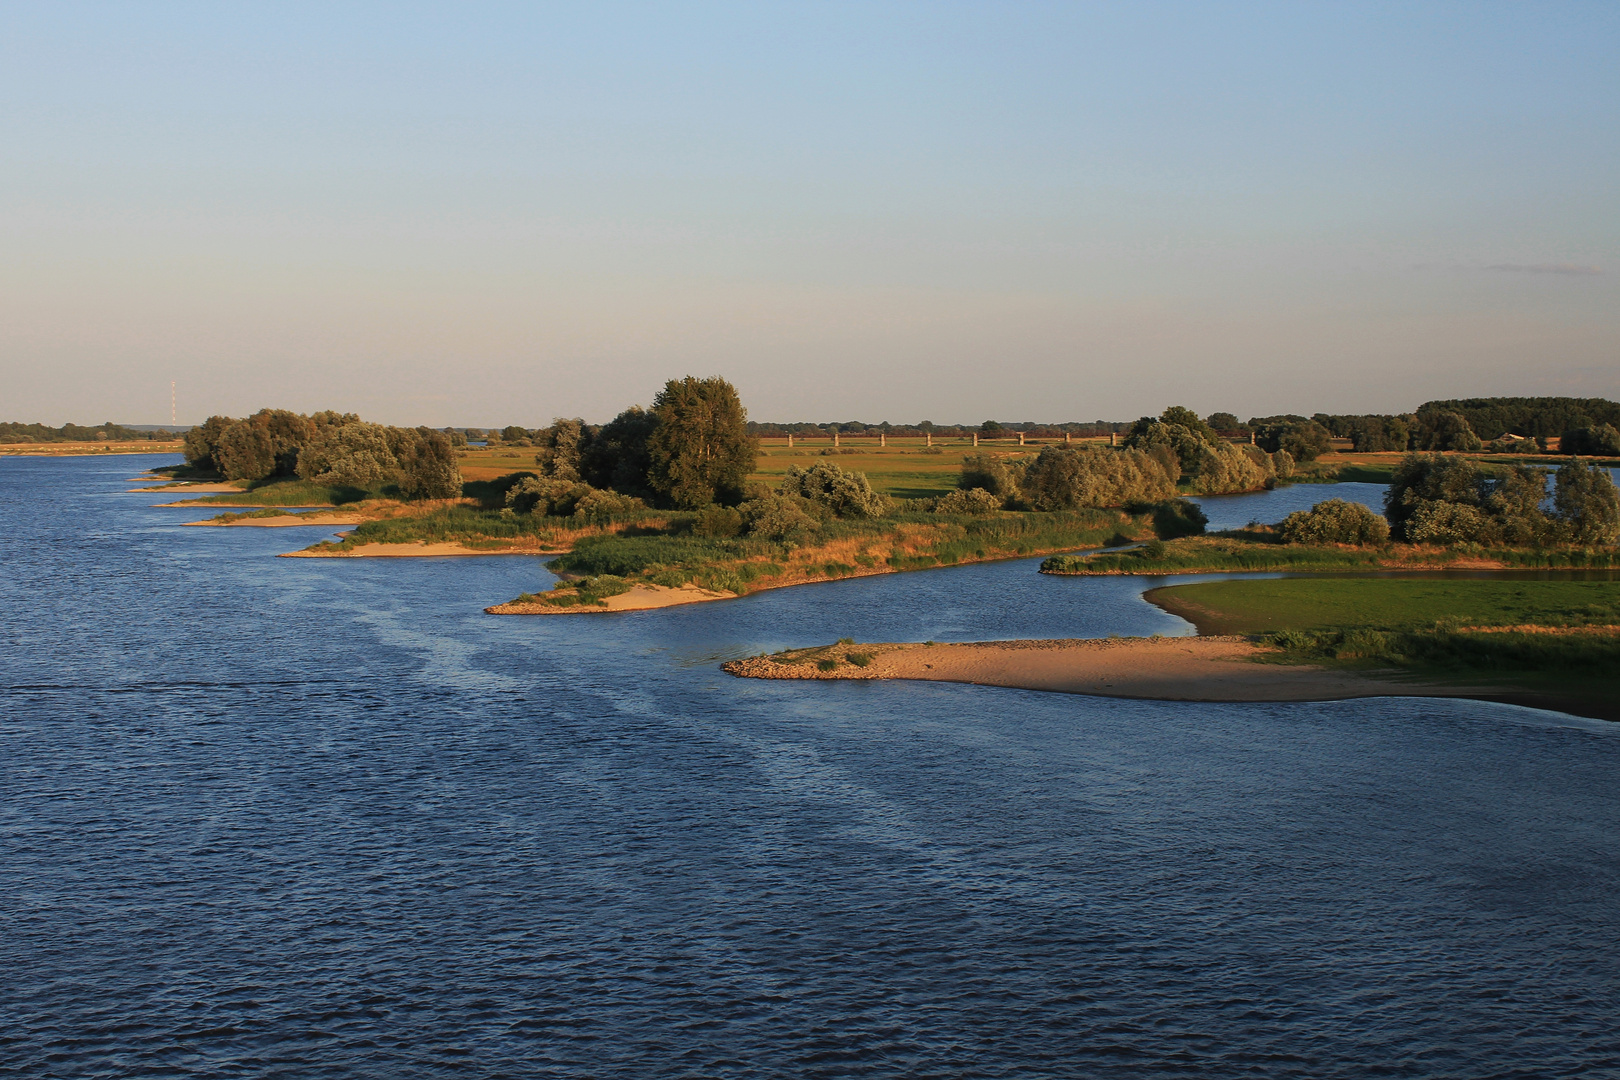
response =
{"points": [[172, 421]]}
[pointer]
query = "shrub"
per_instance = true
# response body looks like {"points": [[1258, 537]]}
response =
{"points": [[1334, 522], [845, 493], [1442, 429], [541, 495], [1178, 517], [357, 454], [1224, 468], [969, 501], [1000, 476], [777, 517], [600, 507], [1061, 478], [1446, 523], [717, 521]]}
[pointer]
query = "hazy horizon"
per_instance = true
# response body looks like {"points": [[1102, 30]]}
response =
{"points": [[501, 215]]}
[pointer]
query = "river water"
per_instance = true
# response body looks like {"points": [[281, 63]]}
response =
{"points": [[310, 818]]}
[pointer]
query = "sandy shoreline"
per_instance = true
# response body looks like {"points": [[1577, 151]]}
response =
{"points": [[420, 549], [639, 598], [1166, 669]]}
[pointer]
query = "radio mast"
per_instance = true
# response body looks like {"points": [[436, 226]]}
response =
{"points": [[172, 421]]}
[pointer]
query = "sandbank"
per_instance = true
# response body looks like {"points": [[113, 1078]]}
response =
{"points": [[182, 488], [639, 598], [1167, 669], [284, 521]]}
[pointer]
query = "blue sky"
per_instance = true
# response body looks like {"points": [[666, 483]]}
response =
{"points": [[483, 214]]}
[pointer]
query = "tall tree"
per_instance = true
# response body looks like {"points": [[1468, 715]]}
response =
{"points": [[700, 452]]}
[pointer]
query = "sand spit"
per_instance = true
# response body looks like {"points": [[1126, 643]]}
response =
{"points": [[190, 489], [284, 521], [1168, 669], [639, 598]]}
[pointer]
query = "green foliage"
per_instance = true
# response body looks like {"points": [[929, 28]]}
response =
{"points": [[1178, 517], [12, 433], [969, 501], [1301, 439], [859, 659], [1600, 441], [700, 452], [718, 522], [844, 494], [778, 517], [1177, 415], [1223, 469], [1398, 603], [1536, 417], [1334, 522], [358, 454], [1485, 654], [1437, 499], [827, 663], [1587, 504], [1379, 434], [545, 496], [600, 507], [1442, 429], [616, 456], [1061, 478], [265, 444], [1000, 476], [593, 591], [201, 445], [1224, 421], [290, 493], [428, 468]]}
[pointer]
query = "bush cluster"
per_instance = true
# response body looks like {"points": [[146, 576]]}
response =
{"points": [[1445, 500], [1334, 522], [335, 449], [843, 493]]}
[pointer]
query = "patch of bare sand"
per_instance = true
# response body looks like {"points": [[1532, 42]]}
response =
{"points": [[284, 521], [1168, 669], [639, 598], [192, 489]]}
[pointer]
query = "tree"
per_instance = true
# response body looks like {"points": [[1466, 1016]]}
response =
{"points": [[700, 451], [617, 456], [1185, 417], [428, 469], [560, 445], [1441, 429], [202, 443], [1224, 421], [1061, 478], [1587, 503], [1600, 441], [354, 455], [265, 444]]}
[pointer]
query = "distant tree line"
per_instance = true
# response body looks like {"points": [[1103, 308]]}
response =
{"points": [[337, 449], [108, 432]]}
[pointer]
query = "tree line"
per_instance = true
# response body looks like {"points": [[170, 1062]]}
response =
{"points": [[108, 432], [336, 449]]}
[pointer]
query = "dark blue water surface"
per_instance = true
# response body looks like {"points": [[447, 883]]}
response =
{"points": [[308, 818]]}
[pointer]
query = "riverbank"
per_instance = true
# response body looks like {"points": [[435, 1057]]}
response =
{"points": [[1159, 668], [636, 598]]}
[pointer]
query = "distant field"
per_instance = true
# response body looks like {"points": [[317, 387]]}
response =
{"points": [[903, 469], [1394, 603]]}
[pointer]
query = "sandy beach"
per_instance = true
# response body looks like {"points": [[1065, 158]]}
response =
{"points": [[1170, 669], [419, 550], [639, 598]]}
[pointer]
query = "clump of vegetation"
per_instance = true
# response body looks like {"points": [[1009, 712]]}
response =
{"points": [[843, 493], [1334, 522], [327, 448], [1603, 440], [699, 450], [968, 501], [1436, 499], [1178, 517]]}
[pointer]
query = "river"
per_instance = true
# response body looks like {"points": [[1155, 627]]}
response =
{"points": [[300, 818]]}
